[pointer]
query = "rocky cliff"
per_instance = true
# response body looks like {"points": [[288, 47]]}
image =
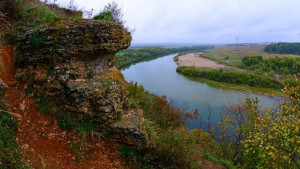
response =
{"points": [[72, 63]]}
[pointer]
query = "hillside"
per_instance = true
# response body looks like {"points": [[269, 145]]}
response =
{"points": [[64, 104], [67, 106]]}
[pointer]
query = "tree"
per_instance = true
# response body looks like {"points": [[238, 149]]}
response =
{"points": [[274, 141], [236, 122], [255, 139], [111, 12]]}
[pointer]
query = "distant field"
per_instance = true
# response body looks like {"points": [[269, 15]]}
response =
{"points": [[236, 54]]}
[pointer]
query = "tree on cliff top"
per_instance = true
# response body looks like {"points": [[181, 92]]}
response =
{"points": [[111, 12]]}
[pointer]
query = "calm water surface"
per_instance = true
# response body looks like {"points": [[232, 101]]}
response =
{"points": [[159, 76]]}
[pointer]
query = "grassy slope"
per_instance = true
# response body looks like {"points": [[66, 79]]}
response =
{"points": [[236, 54]]}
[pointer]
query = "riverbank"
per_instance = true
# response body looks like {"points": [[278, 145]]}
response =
{"points": [[202, 66], [256, 90], [131, 56], [195, 59]]}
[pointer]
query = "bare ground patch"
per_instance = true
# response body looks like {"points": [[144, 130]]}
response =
{"points": [[195, 59]]}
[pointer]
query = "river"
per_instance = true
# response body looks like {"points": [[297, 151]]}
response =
{"points": [[159, 76]]}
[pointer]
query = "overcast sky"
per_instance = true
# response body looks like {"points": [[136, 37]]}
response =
{"points": [[207, 21]]}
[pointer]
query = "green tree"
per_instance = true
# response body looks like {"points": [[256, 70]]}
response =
{"points": [[274, 141]]}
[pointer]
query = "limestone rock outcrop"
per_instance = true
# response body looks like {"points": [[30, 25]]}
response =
{"points": [[73, 64]]}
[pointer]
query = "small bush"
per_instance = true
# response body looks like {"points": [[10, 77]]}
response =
{"points": [[26, 77], [29, 90], [90, 75], [291, 82], [10, 36], [107, 83], [104, 16], [10, 156], [44, 104], [111, 12], [126, 150], [86, 126], [252, 60], [37, 40], [64, 120]]}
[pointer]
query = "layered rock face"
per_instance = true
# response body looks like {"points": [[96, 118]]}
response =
{"points": [[73, 64]]}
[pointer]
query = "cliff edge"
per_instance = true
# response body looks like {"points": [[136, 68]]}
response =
{"points": [[72, 65]]}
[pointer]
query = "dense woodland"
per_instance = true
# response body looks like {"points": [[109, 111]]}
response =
{"points": [[283, 66], [283, 48], [134, 55]]}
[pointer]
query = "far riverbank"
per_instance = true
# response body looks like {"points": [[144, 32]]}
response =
{"points": [[206, 65]]}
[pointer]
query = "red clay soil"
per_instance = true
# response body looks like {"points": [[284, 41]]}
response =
{"points": [[41, 140]]}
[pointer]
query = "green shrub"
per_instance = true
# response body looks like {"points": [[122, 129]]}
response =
{"points": [[10, 156], [107, 83], [273, 141], [29, 90], [121, 116], [175, 149], [290, 82], [111, 12], [37, 40], [90, 75], [85, 126], [36, 16], [10, 36], [104, 16], [125, 150], [26, 77], [44, 104], [18, 56], [64, 120]]}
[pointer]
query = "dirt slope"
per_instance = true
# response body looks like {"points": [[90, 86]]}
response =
{"points": [[44, 144]]}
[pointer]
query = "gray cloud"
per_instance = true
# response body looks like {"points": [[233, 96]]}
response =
{"points": [[207, 21]]}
